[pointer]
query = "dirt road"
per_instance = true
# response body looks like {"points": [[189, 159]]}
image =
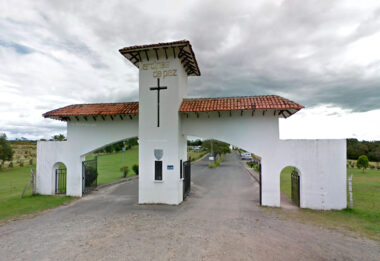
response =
{"points": [[221, 220]]}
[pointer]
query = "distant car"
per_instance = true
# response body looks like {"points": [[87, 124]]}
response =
{"points": [[197, 147], [246, 156]]}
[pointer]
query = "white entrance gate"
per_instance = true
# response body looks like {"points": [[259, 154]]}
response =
{"points": [[163, 119]]}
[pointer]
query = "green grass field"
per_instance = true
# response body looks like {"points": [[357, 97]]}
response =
{"points": [[364, 218], [195, 154], [285, 184], [109, 164], [12, 183]]}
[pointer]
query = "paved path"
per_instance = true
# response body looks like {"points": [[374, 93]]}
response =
{"points": [[220, 221]]}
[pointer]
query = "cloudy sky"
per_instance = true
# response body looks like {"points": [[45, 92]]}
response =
{"points": [[322, 54]]}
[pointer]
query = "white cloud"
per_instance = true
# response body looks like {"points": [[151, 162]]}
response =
{"points": [[330, 122], [55, 53]]}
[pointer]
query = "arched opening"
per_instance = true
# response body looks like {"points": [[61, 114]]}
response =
{"points": [[290, 185], [60, 177], [239, 167], [114, 161]]}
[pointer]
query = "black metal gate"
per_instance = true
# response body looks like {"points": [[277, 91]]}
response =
{"points": [[295, 187], [261, 190], [186, 178], [89, 175], [60, 181]]}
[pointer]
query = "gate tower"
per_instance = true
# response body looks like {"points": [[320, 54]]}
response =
{"points": [[163, 72]]}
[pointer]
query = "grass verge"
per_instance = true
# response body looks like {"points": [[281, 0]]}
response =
{"points": [[217, 162], [195, 155], [363, 218], [12, 183]]}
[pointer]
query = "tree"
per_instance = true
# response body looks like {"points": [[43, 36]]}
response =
{"points": [[6, 151], [357, 148], [197, 142], [362, 162], [132, 142], [118, 146], [59, 137], [218, 147], [108, 149]]}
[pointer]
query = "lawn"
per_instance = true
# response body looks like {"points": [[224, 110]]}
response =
{"points": [[364, 218], [109, 164], [12, 183], [195, 154], [285, 183]]}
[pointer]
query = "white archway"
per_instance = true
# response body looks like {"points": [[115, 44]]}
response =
{"points": [[59, 173], [291, 187]]}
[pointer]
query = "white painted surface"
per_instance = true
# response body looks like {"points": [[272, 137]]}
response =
{"points": [[83, 137], [322, 163], [167, 137]]}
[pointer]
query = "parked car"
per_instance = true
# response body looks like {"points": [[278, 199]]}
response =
{"points": [[246, 156], [197, 147]]}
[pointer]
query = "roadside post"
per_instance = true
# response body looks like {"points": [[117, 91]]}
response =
{"points": [[350, 191]]}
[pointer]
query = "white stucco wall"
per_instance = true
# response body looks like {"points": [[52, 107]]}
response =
{"points": [[322, 163], [167, 137], [83, 137]]}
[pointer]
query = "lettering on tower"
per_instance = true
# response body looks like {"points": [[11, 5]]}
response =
{"points": [[160, 69]]}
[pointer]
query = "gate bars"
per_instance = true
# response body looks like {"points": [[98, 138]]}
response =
{"points": [[89, 175], [60, 181], [186, 178], [295, 187]]}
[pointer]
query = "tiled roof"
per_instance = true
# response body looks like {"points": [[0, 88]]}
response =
{"points": [[95, 109], [238, 103], [151, 46], [188, 105], [180, 49]]}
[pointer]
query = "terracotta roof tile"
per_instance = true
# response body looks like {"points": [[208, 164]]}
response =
{"points": [[188, 105], [135, 54], [95, 109], [238, 103]]}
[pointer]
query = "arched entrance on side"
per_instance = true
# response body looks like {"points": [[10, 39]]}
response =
{"points": [[60, 178], [109, 162], [290, 186]]}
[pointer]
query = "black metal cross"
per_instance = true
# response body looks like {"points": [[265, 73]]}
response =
{"points": [[158, 88]]}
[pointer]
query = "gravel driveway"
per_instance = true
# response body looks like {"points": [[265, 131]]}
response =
{"points": [[220, 221]]}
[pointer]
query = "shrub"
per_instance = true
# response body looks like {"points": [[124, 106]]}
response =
{"points": [[125, 170], [108, 149], [217, 162], [21, 163], [10, 164], [91, 175], [372, 166], [362, 162], [135, 168]]}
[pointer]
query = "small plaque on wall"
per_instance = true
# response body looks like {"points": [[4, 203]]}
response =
{"points": [[170, 167]]}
